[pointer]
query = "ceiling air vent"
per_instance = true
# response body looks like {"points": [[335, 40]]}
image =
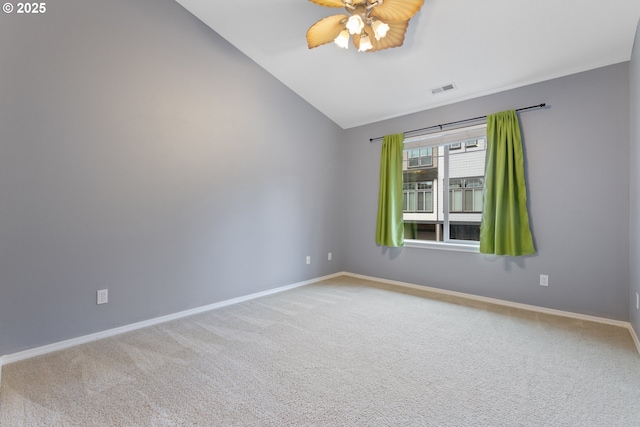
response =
{"points": [[444, 88]]}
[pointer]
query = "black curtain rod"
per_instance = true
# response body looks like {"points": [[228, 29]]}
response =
{"points": [[457, 122]]}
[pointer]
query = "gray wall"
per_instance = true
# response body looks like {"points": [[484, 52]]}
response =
{"points": [[634, 213], [142, 153], [577, 169]]}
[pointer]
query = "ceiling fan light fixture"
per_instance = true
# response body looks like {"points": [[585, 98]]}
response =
{"points": [[374, 24]]}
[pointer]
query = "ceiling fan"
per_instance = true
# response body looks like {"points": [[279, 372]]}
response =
{"points": [[374, 24]]}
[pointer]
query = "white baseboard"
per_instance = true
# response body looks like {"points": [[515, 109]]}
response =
{"points": [[634, 336], [15, 357], [505, 303], [22, 355]]}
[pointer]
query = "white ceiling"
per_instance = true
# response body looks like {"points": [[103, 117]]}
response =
{"points": [[483, 46]]}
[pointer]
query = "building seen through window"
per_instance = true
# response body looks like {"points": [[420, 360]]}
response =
{"points": [[424, 191]]}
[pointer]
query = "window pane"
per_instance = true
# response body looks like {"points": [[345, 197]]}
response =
{"points": [[468, 200], [456, 201], [430, 232], [468, 231], [428, 200], [473, 182], [478, 197], [425, 157], [414, 158]]}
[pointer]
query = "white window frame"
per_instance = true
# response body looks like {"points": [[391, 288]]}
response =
{"points": [[446, 138], [463, 191], [419, 158], [406, 192]]}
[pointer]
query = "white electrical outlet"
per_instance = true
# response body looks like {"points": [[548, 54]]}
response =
{"points": [[103, 296], [329, 256], [544, 280], [308, 259]]}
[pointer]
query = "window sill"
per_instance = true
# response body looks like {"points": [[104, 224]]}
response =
{"points": [[448, 246]]}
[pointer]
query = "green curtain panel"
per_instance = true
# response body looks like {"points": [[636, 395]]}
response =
{"points": [[389, 227], [505, 220]]}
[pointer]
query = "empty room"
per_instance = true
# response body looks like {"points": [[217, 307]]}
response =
{"points": [[319, 213]]}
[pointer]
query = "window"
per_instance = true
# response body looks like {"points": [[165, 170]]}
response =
{"points": [[466, 194], [419, 157], [443, 186], [417, 196]]}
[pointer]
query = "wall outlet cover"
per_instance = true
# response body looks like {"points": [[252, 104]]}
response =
{"points": [[544, 280], [102, 296]]}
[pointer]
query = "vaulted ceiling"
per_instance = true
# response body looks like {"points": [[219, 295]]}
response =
{"points": [[481, 46]]}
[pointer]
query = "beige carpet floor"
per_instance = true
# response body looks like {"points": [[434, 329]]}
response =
{"points": [[344, 352]]}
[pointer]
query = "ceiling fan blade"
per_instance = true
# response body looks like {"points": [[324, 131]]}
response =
{"points": [[396, 10], [328, 3], [394, 37], [325, 30]]}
